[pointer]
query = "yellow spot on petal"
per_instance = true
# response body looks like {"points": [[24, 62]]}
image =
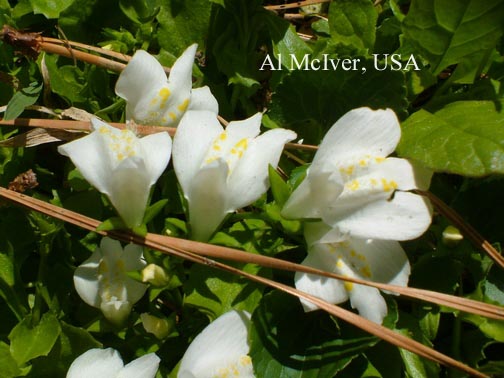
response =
{"points": [[216, 147], [379, 159], [183, 107], [388, 185], [173, 116], [348, 286], [373, 182], [353, 253], [242, 144], [245, 360], [353, 185], [366, 272], [163, 93], [361, 257], [347, 170], [223, 136], [362, 162], [103, 130], [153, 101], [340, 264], [233, 151]]}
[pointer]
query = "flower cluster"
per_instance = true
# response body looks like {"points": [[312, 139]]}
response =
{"points": [[356, 199]]}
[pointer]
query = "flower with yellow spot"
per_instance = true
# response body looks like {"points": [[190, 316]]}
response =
{"points": [[101, 281], [368, 259], [223, 170], [121, 166], [356, 189], [153, 99], [220, 350]]}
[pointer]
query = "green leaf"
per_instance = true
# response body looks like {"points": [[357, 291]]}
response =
{"points": [[154, 210], [28, 341], [279, 187], [216, 292], [72, 342], [50, 8], [353, 23], [139, 11], [287, 342], [465, 138], [444, 32], [284, 38], [310, 102], [9, 366], [113, 223], [68, 81], [22, 99], [6, 270], [182, 23]]}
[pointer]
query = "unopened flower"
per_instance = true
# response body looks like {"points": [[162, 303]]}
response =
{"points": [[223, 170], [152, 99], [101, 281], [101, 363], [220, 350], [375, 260], [120, 165], [159, 327], [155, 275], [356, 189]]}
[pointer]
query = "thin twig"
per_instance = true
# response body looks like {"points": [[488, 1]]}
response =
{"points": [[297, 4]]}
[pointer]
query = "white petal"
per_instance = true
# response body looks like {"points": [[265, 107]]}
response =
{"points": [[249, 179], [207, 200], [115, 311], [144, 367], [86, 279], [203, 99], [386, 259], [315, 231], [129, 190], [133, 260], [89, 154], [328, 289], [221, 345], [360, 132], [405, 217], [369, 302], [156, 153], [181, 73], [247, 128], [96, 363], [193, 138], [141, 79], [312, 197]]}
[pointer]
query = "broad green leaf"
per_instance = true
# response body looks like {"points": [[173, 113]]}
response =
{"points": [[68, 81], [216, 292], [22, 99], [310, 102], [50, 8], [182, 23], [6, 270], [287, 342], [139, 11], [154, 210], [465, 137], [284, 38], [353, 23], [9, 366], [447, 32], [28, 342], [72, 342]]}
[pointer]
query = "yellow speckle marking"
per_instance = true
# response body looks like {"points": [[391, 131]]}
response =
{"points": [[379, 159], [183, 107], [348, 286], [163, 93], [388, 185], [366, 272], [362, 162], [340, 264], [353, 185], [373, 182], [173, 116], [347, 170], [353, 253], [223, 136]]}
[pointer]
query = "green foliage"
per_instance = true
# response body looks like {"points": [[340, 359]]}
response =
{"points": [[452, 115], [464, 137]]}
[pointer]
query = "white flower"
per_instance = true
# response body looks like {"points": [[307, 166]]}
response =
{"points": [[102, 282], [220, 350], [374, 260], [120, 165], [154, 100], [353, 187], [101, 363], [223, 170]]}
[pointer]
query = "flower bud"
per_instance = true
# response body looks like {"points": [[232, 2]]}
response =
{"points": [[155, 275]]}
